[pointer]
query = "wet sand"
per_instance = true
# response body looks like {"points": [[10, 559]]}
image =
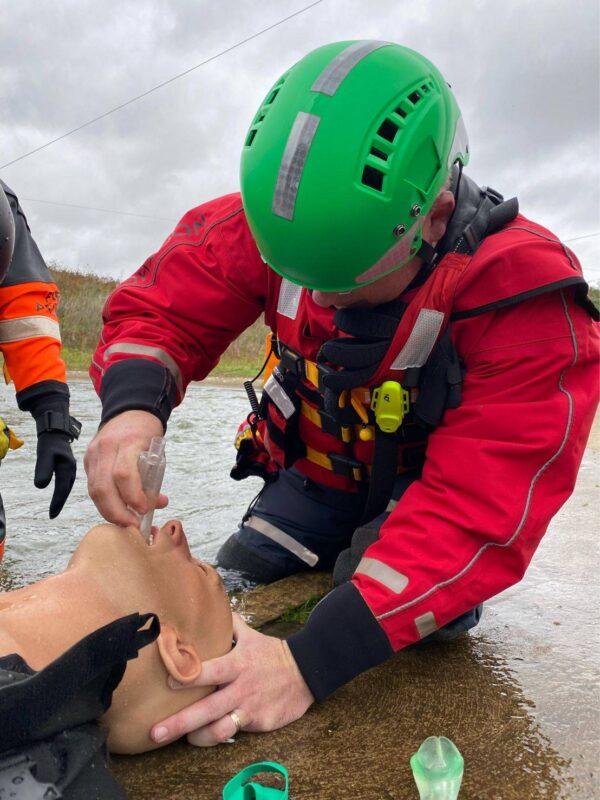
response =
{"points": [[519, 696]]}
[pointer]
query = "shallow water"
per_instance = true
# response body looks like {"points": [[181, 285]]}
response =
{"points": [[520, 696], [200, 455]]}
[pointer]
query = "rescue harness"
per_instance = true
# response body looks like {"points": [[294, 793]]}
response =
{"points": [[384, 384]]}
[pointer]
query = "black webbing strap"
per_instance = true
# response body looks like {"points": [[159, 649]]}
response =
{"points": [[383, 474]]}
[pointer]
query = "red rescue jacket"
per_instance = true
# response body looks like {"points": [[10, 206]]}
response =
{"points": [[497, 468]]}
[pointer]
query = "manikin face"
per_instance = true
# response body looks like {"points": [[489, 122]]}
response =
{"points": [[162, 577], [126, 575]]}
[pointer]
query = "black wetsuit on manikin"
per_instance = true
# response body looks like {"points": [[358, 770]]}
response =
{"points": [[51, 743]]}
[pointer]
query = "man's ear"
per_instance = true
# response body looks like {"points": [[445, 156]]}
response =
{"points": [[181, 659], [437, 219]]}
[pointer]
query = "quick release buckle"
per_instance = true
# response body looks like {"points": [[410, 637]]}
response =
{"points": [[347, 467], [390, 404], [17, 780], [290, 361]]}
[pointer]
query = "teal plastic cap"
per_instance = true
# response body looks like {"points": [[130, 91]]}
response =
{"points": [[437, 769], [240, 787]]}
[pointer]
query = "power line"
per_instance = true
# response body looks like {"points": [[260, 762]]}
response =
{"points": [[172, 219], [585, 236], [160, 85], [92, 208]]}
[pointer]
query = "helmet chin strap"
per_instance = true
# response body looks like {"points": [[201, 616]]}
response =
{"points": [[427, 252]]}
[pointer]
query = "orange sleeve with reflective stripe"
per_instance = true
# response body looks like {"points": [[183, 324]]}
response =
{"points": [[30, 333]]}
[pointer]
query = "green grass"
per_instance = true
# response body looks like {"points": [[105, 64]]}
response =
{"points": [[80, 312], [301, 613]]}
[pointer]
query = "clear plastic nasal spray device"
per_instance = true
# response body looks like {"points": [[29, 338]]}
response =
{"points": [[437, 769], [152, 465]]}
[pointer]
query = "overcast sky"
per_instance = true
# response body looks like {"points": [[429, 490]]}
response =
{"points": [[525, 74]]}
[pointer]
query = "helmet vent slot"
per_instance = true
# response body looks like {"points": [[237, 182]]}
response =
{"points": [[388, 130], [373, 177], [375, 151], [263, 111], [414, 97]]}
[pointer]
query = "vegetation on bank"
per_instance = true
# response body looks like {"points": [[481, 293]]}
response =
{"points": [[80, 311]]}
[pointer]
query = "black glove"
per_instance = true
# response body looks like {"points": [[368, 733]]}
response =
{"points": [[55, 457], [48, 404]]}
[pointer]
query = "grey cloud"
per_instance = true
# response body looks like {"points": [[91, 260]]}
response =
{"points": [[525, 75]]}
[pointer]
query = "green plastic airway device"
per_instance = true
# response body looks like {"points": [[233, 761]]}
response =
{"points": [[438, 769], [241, 788]]}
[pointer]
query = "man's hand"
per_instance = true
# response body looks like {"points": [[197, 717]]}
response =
{"points": [[111, 464], [258, 680], [55, 458]]}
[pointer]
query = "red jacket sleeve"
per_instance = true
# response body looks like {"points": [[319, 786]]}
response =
{"points": [[183, 307], [497, 469]]}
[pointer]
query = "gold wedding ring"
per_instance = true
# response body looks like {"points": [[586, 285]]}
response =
{"points": [[236, 721]]}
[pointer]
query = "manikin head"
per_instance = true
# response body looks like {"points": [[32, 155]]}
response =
{"points": [[113, 573]]}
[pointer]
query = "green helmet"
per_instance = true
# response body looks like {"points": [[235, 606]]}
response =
{"points": [[344, 159]]}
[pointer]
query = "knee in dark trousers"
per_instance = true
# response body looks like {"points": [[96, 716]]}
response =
{"points": [[295, 525]]}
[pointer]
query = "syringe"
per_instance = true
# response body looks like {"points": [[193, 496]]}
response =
{"points": [[152, 465]]}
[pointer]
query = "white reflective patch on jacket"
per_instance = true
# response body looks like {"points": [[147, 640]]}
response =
{"points": [[289, 299], [426, 624], [15, 330], [420, 343], [382, 573]]}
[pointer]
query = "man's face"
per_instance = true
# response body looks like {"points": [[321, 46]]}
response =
{"points": [[163, 578], [373, 294]]}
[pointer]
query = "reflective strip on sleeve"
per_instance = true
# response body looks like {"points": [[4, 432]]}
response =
{"points": [[135, 349], [426, 624], [334, 73], [382, 573], [420, 343], [289, 299], [15, 330], [283, 539], [292, 164]]}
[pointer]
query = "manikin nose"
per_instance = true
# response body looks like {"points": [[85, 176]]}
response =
{"points": [[174, 531]]}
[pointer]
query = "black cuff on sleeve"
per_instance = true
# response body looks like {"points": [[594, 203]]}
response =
{"points": [[137, 384], [340, 640], [44, 396]]}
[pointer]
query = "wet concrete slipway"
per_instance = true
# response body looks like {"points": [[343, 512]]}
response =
{"points": [[520, 696]]}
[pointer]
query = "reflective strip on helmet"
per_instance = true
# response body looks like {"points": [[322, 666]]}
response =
{"points": [[330, 79], [420, 343], [283, 539], [426, 624], [292, 164], [382, 573], [460, 144], [15, 330], [136, 349], [397, 255], [289, 299]]}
